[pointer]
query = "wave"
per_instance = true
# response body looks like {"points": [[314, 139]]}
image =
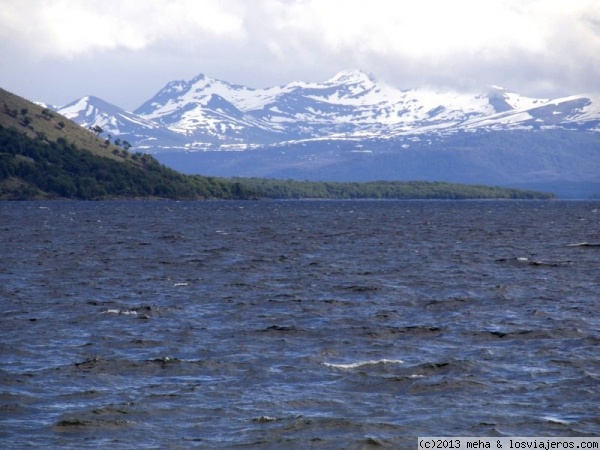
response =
{"points": [[521, 260], [120, 311], [358, 364], [584, 244]]}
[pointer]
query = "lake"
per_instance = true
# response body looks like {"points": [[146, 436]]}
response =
{"points": [[296, 324]]}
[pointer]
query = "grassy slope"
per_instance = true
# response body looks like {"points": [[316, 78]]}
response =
{"points": [[50, 127]]}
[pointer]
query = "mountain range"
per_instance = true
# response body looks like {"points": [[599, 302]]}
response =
{"points": [[44, 155], [354, 128]]}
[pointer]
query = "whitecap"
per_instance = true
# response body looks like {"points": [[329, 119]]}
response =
{"points": [[265, 419], [364, 363], [118, 311], [583, 244], [554, 419]]}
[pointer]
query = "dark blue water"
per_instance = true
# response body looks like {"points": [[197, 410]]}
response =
{"points": [[272, 325]]}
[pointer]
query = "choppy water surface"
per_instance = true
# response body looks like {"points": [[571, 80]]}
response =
{"points": [[296, 324]]}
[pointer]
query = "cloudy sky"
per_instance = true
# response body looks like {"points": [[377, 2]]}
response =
{"points": [[124, 51]]}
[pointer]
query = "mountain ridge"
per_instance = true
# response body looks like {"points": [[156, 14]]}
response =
{"points": [[211, 114]]}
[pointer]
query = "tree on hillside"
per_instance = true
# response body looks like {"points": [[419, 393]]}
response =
{"points": [[97, 129], [47, 114]]}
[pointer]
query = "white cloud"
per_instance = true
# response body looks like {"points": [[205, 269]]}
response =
{"points": [[532, 46], [458, 42], [425, 27], [412, 29], [70, 28]]}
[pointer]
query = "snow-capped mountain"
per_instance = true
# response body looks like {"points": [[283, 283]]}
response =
{"points": [[92, 111], [352, 104], [211, 114], [204, 110], [516, 112]]}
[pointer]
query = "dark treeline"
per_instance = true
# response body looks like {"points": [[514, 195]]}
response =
{"points": [[37, 168], [290, 189]]}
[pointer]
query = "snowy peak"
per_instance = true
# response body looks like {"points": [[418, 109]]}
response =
{"points": [[349, 87], [208, 112], [503, 99], [352, 76], [498, 99], [92, 111], [89, 111], [176, 95]]}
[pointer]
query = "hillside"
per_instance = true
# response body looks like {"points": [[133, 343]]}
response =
{"points": [[44, 155], [43, 124]]}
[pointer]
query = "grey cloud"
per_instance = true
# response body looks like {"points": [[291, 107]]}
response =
{"points": [[273, 42]]}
